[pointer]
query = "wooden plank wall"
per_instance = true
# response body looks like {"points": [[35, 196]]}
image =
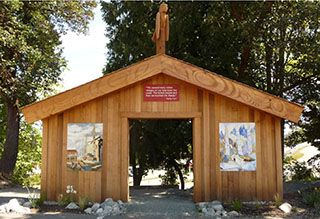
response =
{"points": [[266, 181], [51, 156], [210, 182]]}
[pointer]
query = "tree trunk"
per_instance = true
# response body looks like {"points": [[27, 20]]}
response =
{"points": [[268, 66], [134, 154], [281, 73], [281, 70], [137, 177], [282, 138], [245, 56], [177, 168], [10, 152]]}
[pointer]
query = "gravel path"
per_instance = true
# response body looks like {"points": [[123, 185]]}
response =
{"points": [[161, 203]]}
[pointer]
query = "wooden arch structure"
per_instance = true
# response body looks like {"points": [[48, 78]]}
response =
{"points": [[206, 97]]}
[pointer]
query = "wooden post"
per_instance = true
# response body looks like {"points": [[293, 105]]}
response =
{"points": [[161, 32]]}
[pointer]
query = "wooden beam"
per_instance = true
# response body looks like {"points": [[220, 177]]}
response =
{"points": [[44, 157], [96, 88], [197, 169], [161, 115], [124, 148], [206, 146], [230, 88], [278, 152]]}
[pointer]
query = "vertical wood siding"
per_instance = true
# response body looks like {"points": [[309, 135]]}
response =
{"points": [[210, 183]]}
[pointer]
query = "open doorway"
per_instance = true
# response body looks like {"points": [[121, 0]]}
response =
{"points": [[161, 154]]}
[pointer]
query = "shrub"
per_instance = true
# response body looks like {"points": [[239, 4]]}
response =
{"points": [[312, 199], [314, 162], [170, 178], [277, 200], [61, 200], [29, 156], [83, 202], [34, 198], [236, 205], [297, 171], [70, 196]]}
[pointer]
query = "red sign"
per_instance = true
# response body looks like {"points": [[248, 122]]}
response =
{"points": [[161, 92]]}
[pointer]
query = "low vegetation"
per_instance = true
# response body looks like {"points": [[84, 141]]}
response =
{"points": [[83, 202], [27, 170], [236, 205], [312, 198], [277, 200]]}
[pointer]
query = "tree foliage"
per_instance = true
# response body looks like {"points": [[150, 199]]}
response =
{"points": [[31, 52], [31, 57], [29, 156], [160, 144]]}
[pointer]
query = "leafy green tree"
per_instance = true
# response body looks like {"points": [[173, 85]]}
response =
{"points": [[31, 57], [160, 144], [173, 147], [29, 156], [288, 54], [311, 123]]}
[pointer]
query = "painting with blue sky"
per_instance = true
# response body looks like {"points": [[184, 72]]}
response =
{"points": [[237, 146]]}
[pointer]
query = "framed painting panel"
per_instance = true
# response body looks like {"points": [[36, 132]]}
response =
{"points": [[237, 146], [84, 146]]}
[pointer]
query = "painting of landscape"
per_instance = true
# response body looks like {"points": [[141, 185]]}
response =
{"points": [[237, 146], [84, 146]]}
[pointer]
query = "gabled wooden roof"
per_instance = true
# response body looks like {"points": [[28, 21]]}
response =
{"points": [[170, 66]]}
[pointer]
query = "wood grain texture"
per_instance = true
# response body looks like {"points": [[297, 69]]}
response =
{"points": [[206, 109], [214, 151], [197, 168], [260, 184], [170, 66], [87, 184], [206, 146], [90, 112], [231, 89], [161, 115], [54, 151], [217, 177], [259, 155], [112, 147], [44, 156], [59, 150], [278, 158], [124, 178]]}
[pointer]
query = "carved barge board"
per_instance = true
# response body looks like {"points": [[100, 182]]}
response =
{"points": [[173, 67]]}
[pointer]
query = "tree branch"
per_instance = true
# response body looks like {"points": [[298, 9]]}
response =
{"points": [[299, 82]]}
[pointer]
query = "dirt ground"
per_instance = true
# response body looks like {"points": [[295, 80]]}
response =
{"points": [[299, 210]]}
